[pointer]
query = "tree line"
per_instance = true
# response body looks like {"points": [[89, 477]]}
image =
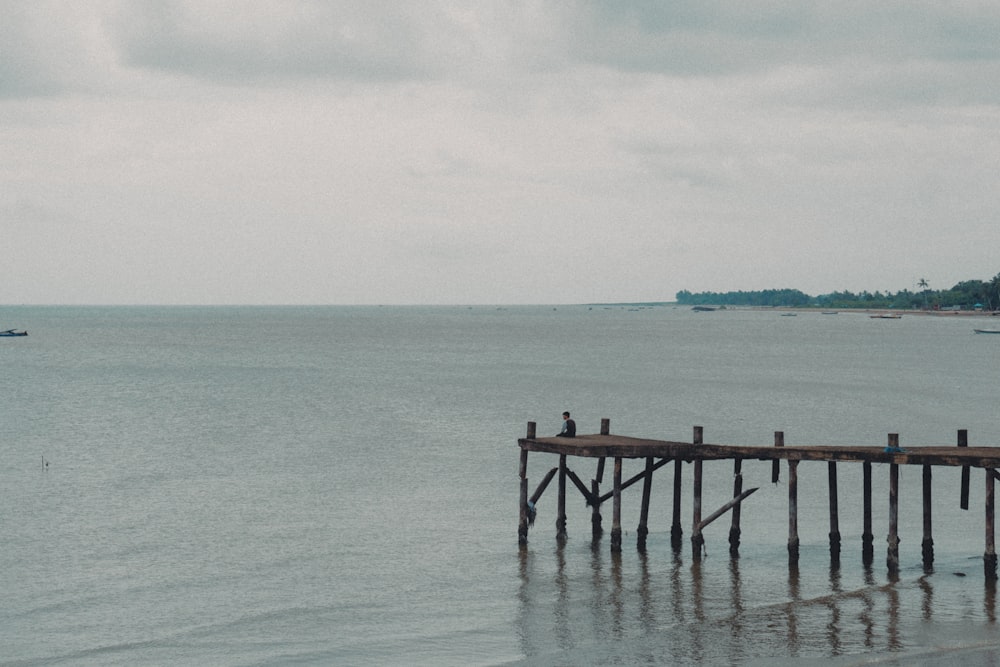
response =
{"points": [[966, 295]]}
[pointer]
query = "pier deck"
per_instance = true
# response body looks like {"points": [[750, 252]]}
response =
{"points": [[598, 446], [657, 453]]}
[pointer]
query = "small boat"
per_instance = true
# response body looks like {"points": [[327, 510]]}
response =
{"points": [[11, 332], [885, 316], [996, 331], [703, 309], [789, 314]]}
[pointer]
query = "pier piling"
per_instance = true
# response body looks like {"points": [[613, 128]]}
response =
{"points": [[697, 541], [892, 555], [676, 532], [990, 556], [647, 486], [734, 528], [616, 512], [867, 537], [561, 510], [793, 512], [963, 441], [522, 529], [834, 513], [927, 544]]}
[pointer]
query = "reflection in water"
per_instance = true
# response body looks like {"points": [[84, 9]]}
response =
{"points": [[833, 627], [563, 630], [928, 598], [649, 609], [990, 600], [790, 610], [894, 641], [698, 610]]}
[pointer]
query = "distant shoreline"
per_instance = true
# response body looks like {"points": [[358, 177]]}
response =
{"points": [[893, 311]]}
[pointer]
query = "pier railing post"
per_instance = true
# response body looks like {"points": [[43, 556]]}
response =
{"points": [[779, 441], [697, 539], [892, 555]]}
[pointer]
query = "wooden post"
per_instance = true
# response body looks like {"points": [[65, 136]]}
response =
{"points": [[990, 557], [647, 485], [676, 532], [779, 441], [561, 512], [734, 528], [892, 555], [697, 540], [867, 538], [595, 517], [927, 546], [834, 513], [963, 501], [793, 512], [522, 528], [616, 513]]}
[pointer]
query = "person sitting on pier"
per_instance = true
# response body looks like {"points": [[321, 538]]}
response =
{"points": [[568, 427]]}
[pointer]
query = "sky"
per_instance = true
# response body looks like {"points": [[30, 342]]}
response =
{"points": [[494, 152]]}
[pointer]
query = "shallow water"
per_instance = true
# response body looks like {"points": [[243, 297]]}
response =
{"points": [[243, 486]]}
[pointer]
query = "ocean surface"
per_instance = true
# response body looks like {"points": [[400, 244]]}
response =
{"points": [[339, 486]]}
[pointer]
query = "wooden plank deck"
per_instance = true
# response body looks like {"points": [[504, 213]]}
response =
{"points": [[597, 446]]}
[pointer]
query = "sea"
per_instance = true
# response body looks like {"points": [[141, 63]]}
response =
{"points": [[339, 486]]}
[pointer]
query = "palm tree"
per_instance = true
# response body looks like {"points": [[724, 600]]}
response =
{"points": [[923, 283]]}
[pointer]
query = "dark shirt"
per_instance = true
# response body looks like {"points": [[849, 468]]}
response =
{"points": [[568, 429]]}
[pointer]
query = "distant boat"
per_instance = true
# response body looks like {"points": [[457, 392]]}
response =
{"points": [[885, 316], [996, 331], [10, 332], [789, 314], [703, 309]]}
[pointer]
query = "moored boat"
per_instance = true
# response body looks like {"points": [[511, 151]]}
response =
{"points": [[11, 332], [987, 331]]}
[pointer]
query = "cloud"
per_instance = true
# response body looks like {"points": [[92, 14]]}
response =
{"points": [[436, 151], [378, 41]]}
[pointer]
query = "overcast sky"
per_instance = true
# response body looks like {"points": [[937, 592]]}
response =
{"points": [[455, 152]]}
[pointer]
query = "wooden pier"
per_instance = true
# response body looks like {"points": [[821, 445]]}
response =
{"points": [[658, 453]]}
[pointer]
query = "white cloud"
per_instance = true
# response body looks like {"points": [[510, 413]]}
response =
{"points": [[493, 151]]}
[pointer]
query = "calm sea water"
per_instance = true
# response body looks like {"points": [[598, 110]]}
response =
{"points": [[338, 486]]}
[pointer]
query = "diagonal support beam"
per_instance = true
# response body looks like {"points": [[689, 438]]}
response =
{"points": [[632, 480], [588, 496], [725, 508], [541, 486]]}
